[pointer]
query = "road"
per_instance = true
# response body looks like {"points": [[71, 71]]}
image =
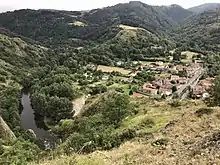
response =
{"points": [[183, 92]]}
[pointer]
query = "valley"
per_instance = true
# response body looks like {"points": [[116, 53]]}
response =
{"points": [[125, 84]]}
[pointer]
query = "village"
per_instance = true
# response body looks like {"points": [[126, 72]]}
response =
{"points": [[173, 78], [161, 78]]}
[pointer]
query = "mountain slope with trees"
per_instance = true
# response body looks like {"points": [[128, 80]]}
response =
{"points": [[200, 31], [63, 27], [204, 7], [176, 12], [57, 54]]}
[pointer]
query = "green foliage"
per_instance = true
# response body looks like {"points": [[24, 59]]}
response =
{"points": [[18, 152], [200, 32], [34, 24], [174, 89], [145, 76], [116, 109], [95, 129], [53, 74], [175, 103], [9, 105], [59, 108], [212, 63], [52, 96], [215, 93], [177, 55], [147, 123], [98, 89]]}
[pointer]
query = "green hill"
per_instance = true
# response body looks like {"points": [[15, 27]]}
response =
{"points": [[130, 43], [57, 27], [16, 58], [204, 7], [201, 31], [65, 55]]}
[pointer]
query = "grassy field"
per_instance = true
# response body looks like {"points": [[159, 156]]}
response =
{"points": [[109, 69], [189, 55], [126, 27], [166, 135], [78, 23], [124, 87]]}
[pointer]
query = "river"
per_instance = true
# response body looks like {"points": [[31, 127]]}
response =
{"points": [[30, 121]]}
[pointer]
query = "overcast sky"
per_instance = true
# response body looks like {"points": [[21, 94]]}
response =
{"points": [[87, 4]]}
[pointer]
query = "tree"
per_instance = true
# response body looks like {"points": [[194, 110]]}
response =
{"points": [[174, 89], [131, 92], [215, 92], [116, 108], [177, 55], [59, 108]]}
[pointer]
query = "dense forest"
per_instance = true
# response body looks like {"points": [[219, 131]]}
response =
{"points": [[57, 56]]}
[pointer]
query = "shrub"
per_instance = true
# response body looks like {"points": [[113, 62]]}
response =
{"points": [[204, 111], [147, 123], [175, 103], [3, 79]]}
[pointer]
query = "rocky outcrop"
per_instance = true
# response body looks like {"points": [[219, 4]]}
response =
{"points": [[32, 133], [5, 131]]}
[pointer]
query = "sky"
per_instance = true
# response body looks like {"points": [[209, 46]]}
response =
{"points": [[88, 4]]}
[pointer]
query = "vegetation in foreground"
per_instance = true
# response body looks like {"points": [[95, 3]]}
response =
{"points": [[164, 134], [83, 53]]}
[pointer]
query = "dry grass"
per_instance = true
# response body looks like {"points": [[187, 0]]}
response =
{"points": [[78, 23], [125, 27], [189, 139], [185, 135], [72, 160], [129, 32], [111, 69], [189, 56]]}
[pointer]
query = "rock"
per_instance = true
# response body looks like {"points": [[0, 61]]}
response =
{"points": [[32, 133], [5, 131]]}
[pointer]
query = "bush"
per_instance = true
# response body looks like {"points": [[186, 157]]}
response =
{"points": [[147, 123], [2, 79], [116, 108], [175, 103], [204, 111]]}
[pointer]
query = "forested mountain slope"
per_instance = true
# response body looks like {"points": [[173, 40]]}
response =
{"points": [[130, 43], [176, 12], [108, 57], [16, 57], [201, 31], [60, 27], [16, 52], [204, 7]]}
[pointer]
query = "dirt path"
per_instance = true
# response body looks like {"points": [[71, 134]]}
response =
{"points": [[78, 104]]}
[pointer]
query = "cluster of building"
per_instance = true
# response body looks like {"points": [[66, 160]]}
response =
{"points": [[202, 89], [164, 86], [179, 76]]}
